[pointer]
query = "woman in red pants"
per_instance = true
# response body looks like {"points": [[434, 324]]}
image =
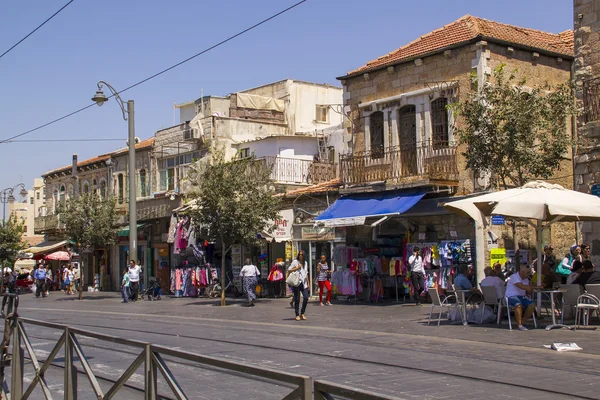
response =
{"points": [[323, 278]]}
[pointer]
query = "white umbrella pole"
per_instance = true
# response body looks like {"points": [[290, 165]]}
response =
{"points": [[539, 233]]}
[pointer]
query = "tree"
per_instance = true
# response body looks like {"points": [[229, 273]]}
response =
{"points": [[514, 133], [89, 222], [11, 242], [234, 201]]}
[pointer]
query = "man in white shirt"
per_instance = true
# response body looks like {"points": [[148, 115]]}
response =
{"points": [[134, 279], [516, 289], [492, 280], [417, 273], [77, 276]]}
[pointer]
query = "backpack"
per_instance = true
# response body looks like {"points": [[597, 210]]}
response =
{"points": [[561, 270]]}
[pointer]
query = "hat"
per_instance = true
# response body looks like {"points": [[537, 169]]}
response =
{"points": [[574, 247], [548, 247]]}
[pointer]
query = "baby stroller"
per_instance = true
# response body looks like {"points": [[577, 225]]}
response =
{"points": [[153, 292]]}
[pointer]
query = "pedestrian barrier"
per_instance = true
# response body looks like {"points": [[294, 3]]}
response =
{"points": [[150, 356]]}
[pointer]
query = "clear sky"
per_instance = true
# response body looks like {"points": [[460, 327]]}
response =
{"points": [[55, 71]]}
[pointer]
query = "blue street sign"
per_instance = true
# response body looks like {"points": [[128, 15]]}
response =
{"points": [[497, 220], [595, 189]]}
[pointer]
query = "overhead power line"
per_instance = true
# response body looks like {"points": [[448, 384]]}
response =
{"points": [[33, 31], [65, 140], [161, 72]]}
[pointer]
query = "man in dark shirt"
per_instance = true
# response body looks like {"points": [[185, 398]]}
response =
{"points": [[588, 276]]}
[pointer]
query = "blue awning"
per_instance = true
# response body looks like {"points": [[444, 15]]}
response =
{"points": [[351, 210]]}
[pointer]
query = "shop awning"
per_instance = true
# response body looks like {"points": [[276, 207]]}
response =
{"points": [[352, 210], [24, 264], [45, 247], [125, 231]]}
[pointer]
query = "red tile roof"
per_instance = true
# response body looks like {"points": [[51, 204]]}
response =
{"points": [[140, 146], [470, 28], [322, 187]]}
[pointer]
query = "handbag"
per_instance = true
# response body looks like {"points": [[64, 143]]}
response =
{"points": [[293, 279]]}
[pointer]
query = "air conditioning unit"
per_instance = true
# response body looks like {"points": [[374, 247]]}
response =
{"points": [[188, 134]]}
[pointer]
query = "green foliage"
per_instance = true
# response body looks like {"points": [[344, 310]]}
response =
{"points": [[514, 133], [234, 199], [10, 240], [90, 221]]}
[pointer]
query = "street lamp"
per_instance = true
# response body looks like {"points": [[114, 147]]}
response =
{"points": [[127, 109], [7, 196]]}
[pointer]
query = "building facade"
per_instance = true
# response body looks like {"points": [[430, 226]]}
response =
{"points": [[587, 81], [403, 128]]}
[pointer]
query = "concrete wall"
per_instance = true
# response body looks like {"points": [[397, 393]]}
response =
{"points": [[586, 67], [303, 148], [229, 132], [187, 113]]}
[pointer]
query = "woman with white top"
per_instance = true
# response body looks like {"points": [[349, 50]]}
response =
{"points": [[324, 275], [249, 275], [300, 265]]}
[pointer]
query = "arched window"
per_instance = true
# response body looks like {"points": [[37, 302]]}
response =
{"points": [[143, 183], [120, 188], [439, 123], [103, 189], [86, 187], [55, 198], [376, 134], [407, 137], [62, 194]]}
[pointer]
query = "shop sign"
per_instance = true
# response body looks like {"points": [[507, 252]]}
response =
{"points": [[498, 256], [288, 251], [523, 256], [283, 226], [319, 233], [498, 220], [595, 189]]}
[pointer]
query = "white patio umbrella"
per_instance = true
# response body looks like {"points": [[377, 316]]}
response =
{"points": [[537, 203]]}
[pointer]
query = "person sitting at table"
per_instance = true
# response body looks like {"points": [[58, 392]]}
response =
{"points": [[494, 281], [577, 269], [588, 276], [463, 280], [548, 277], [516, 290], [497, 268]]}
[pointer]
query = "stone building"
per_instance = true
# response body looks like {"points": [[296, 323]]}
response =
{"points": [[403, 129], [587, 80]]}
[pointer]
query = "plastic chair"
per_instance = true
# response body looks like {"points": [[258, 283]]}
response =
{"points": [[436, 301], [593, 290], [504, 302], [490, 298], [569, 299], [586, 305]]}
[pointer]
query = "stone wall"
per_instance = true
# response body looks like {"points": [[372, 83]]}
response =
{"points": [[587, 67]]}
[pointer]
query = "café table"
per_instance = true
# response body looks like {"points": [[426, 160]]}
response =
{"points": [[461, 301], [552, 293]]}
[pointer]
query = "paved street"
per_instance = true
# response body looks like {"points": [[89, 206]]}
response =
{"points": [[383, 348]]}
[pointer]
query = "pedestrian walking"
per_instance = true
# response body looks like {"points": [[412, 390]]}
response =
{"points": [[417, 273], [249, 274], [70, 279], [134, 280], [40, 280], [76, 277], [125, 287], [63, 278], [324, 276], [48, 279], [300, 266]]}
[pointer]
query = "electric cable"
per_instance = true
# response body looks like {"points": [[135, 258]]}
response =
{"points": [[65, 140], [33, 31], [161, 72]]}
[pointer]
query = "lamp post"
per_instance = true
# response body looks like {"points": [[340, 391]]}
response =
{"points": [[128, 115], [7, 196]]}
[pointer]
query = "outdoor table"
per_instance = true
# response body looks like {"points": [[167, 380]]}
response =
{"points": [[461, 300], [552, 292]]}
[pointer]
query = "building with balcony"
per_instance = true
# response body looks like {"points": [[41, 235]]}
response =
{"points": [[405, 157]]}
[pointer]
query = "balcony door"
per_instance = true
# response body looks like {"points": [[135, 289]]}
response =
{"points": [[407, 137]]}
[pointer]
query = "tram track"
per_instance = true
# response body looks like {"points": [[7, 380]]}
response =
{"points": [[338, 357]]}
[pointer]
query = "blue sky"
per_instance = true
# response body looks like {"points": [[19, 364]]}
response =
{"points": [[55, 71]]}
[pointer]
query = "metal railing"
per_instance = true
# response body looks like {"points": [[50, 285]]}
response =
{"points": [[46, 223], [393, 165], [591, 99], [298, 171], [150, 356]]}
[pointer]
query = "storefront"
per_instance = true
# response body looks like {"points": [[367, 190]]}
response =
{"points": [[382, 229]]}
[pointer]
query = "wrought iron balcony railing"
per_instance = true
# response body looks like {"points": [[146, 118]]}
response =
{"points": [[397, 164]]}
